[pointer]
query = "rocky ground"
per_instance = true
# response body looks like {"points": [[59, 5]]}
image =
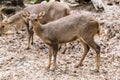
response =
{"points": [[16, 63]]}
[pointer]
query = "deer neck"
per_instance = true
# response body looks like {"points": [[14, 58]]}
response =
{"points": [[38, 29]]}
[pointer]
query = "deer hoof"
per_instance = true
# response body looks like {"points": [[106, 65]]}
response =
{"points": [[53, 69], [96, 71], [27, 48], [77, 65], [47, 69], [32, 43]]}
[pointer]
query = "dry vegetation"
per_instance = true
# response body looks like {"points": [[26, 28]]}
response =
{"points": [[19, 64]]}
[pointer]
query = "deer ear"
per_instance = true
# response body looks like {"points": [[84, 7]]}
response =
{"points": [[25, 13], [41, 14], [3, 26], [4, 17]]}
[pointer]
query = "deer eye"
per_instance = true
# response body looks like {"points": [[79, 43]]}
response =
{"points": [[28, 19], [35, 19], [3, 26]]}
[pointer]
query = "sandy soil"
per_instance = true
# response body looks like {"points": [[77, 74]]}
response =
{"points": [[19, 64]]}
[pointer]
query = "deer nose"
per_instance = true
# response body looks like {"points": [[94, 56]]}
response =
{"points": [[30, 27]]}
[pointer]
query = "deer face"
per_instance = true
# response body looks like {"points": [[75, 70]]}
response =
{"points": [[33, 19], [3, 24], [1, 29]]}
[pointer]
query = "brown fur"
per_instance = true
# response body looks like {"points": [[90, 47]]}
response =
{"points": [[67, 29], [55, 10]]}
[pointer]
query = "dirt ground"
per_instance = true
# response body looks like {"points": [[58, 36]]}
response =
{"points": [[16, 63]]}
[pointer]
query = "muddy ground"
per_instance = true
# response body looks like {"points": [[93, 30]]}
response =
{"points": [[16, 63]]}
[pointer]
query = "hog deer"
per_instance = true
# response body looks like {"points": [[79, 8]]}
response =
{"points": [[54, 10], [66, 29]]}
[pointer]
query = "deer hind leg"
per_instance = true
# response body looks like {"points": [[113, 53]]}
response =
{"points": [[86, 49], [92, 43]]}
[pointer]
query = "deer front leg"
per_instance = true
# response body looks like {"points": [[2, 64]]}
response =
{"points": [[31, 37], [55, 50], [50, 57], [65, 45], [28, 45], [60, 46], [16, 29]]}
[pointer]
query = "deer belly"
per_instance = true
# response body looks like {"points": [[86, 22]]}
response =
{"points": [[67, 39]]}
